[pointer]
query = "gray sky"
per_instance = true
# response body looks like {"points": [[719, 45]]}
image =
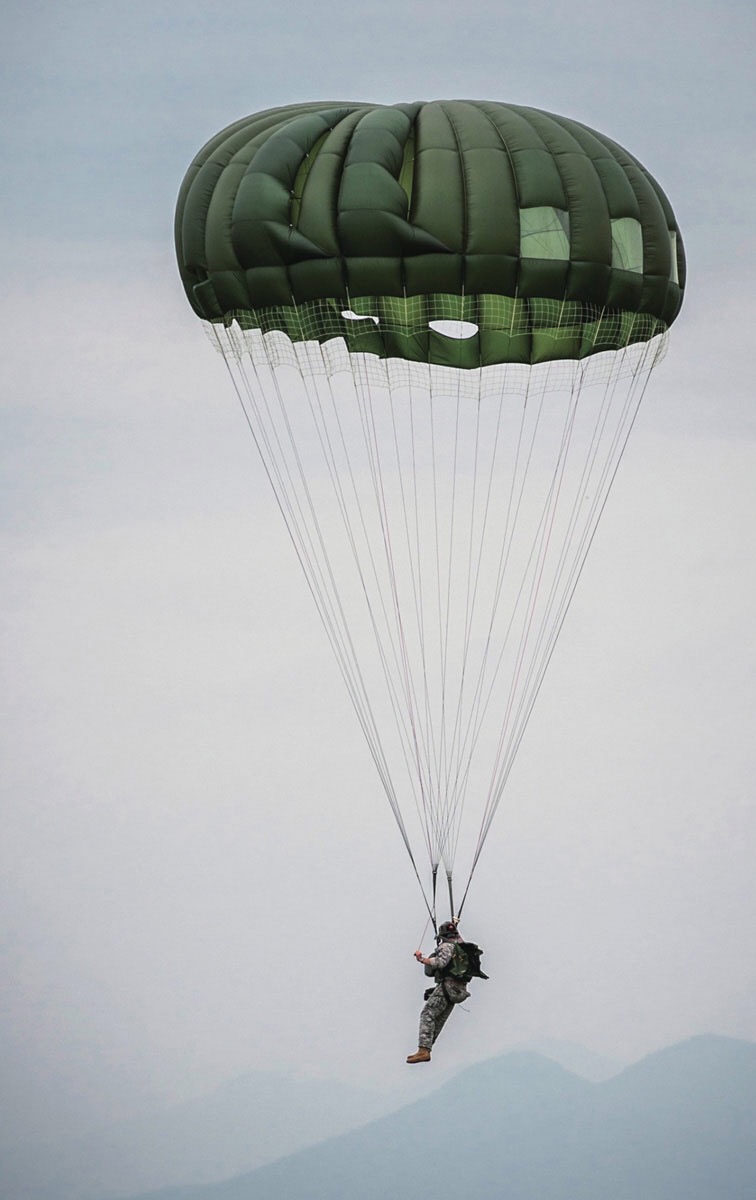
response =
{"points": [[188, 807]]}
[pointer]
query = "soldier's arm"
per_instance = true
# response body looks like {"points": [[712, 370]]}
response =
{"points": [[441, 957]]}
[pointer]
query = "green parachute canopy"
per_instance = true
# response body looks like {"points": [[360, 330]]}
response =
{"points": [[440, 320], [373, 223]]}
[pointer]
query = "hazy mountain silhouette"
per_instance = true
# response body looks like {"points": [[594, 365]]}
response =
{"points": [[248, 1121], [576, 1059], [680, 1125]]}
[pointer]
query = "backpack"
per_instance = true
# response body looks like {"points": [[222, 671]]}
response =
{"points": [[465, 963]]}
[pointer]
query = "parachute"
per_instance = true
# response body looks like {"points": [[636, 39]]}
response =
{"points": [[440, 319]]}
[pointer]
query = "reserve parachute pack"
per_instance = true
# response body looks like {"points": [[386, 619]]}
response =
{"points": [[465, 963]]}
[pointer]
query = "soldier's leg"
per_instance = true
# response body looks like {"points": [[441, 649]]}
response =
{"points": [[442, 1018], [433, 1017]]}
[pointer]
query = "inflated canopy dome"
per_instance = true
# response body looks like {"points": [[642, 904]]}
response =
{"points": [[546, 238]]}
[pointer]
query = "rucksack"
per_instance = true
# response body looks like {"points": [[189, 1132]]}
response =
{"points": [[465, 963]]}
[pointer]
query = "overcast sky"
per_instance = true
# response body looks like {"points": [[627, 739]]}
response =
{"points": [[191, 823]]}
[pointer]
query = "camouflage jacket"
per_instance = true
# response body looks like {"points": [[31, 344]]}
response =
{"points": [[437, 962]]}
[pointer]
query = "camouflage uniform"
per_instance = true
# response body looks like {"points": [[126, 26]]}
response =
{"points": [[445, 995]]}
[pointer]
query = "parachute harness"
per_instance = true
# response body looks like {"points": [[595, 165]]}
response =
{"points": [[442, 518]]}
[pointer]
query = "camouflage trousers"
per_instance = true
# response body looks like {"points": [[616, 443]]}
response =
{"points": [[437, 1010]]}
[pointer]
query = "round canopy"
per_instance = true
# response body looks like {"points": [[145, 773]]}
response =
{"points": [[512, 220]]}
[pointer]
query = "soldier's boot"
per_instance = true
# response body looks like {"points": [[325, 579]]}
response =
{"points": [[421, 1055]]}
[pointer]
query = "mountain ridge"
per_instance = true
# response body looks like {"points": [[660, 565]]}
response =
{"points": [[242, 1123], [528, 1125], [200, 1140]]}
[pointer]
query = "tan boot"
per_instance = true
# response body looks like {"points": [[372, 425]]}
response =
{"points": [[421, 1055]]}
